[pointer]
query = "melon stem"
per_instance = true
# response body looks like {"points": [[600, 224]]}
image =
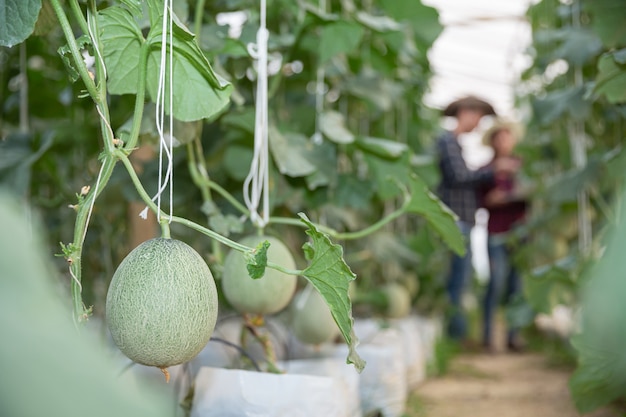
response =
{"points": [[165, 229]]}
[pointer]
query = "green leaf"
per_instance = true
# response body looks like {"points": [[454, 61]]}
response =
{"points": [[559, 103], [611, 80], [378, 23], [317, 12], [576, 46], [384, 148], [66, 56], [257, 260], [324, 157], [198, 92], [291, 153], [601, 374], [17, 20], [333, 126], [352, 192], [424, 20], [607, 20], [379, 91], [134, 6], [330, 275], [436, 213], [340, 37], [386, 172]]}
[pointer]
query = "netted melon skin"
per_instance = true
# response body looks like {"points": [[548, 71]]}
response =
{"points": [[266, 295], [161, 306]]}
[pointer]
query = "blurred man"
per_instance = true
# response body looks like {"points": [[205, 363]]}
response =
{"points": [[458, 189]]}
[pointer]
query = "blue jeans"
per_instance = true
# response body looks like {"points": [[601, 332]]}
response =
{"points": [[504, 281], [459, 276]]}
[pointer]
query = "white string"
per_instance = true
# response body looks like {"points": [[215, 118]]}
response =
{"points": [[95, 45], [256, 185], [165, 146]]}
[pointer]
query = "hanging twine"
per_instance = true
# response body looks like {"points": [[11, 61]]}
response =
{"points": [[256, 184], [165, 86]]}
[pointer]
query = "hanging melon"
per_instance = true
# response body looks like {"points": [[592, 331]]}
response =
{"points": [[161, 306], [311, 320], [266, 295], [398, 300]]}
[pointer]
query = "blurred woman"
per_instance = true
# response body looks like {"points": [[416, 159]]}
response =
{"points": [[505, 201]]}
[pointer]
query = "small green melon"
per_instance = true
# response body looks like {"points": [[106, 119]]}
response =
{"points": [[398, 300], [266, 295], [311, 320], [161, 306]]}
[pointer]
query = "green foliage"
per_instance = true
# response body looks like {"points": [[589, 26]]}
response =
{"points": [[198, 92], [574, 144], [437, 214], [330, 275], [17, 20], [372, 125], [48, 356], [608, 18], [611, 81], [339, 37], [257, 261], [601, 374]]}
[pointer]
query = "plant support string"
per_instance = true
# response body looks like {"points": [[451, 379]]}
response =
{"points": [[256, 185], [165, 88]]}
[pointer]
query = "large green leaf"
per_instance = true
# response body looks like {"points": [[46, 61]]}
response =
{"points": [[575, 45], [611, 81], [424, 20], [568, 101], [607, 20], [291, 153], [331, 276], [601, 374], [436, 213], [198, 92], [379, 91], [17, 20], [386, 172], [339, 37], [48, 357]]}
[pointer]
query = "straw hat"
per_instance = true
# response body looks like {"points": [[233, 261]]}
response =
{"points": [[469, 102], [501, 124]]}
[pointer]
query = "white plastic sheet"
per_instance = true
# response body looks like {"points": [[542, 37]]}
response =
{"points": [[237, 393], [414, 352], [383, 384], [346, 377]]}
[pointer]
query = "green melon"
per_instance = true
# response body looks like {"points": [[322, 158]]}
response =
{"points": [[311, 320], [398, 300], [266, 295], [161, 306]]}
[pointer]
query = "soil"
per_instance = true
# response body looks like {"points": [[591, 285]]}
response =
{"points": [[498, 385]]}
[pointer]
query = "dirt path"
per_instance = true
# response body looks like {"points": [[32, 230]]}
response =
{"points": [[500, 385]]}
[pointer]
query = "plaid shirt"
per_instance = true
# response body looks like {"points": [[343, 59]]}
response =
{"points": [[459, 184]]}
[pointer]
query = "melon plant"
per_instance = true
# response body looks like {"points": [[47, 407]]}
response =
{"points": [[311, 320], [161, 306], [266, 295], [398, 300]]}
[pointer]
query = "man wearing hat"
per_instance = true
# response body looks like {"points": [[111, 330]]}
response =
{"points": [[458, 189]]}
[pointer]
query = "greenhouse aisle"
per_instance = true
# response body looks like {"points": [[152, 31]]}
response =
{"points": [[498, 385]]}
